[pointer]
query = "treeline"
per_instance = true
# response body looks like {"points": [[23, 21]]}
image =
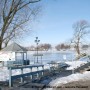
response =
{"points": [[62, 46], [46, 47], [41, 47]]}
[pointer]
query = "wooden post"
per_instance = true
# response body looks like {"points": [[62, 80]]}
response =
{"points": [[37, 73], [34, 59], [10, 79], [50, 69], [26, 58], [26, 55], [15, 56], [41, 59], [31, 72], [23, 58], [21, 77], [43, 70]]}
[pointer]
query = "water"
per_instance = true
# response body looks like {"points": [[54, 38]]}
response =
{"points": [[52, 56]]}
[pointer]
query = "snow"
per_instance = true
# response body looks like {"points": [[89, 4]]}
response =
{"points": [[4, 74], [73, 77], [75, 64]]}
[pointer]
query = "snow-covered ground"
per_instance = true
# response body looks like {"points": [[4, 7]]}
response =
{"points": [[75, 64], [4, 74], [73, 77]]}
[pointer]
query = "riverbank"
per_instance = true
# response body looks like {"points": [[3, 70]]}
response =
{"points": [[62, 78], [37, 83], [73, 85]]}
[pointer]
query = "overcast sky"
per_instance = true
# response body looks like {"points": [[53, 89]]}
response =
{"points": [[54, 25]]}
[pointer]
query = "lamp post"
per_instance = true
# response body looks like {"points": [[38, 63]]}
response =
{"points": [[37, 42]]}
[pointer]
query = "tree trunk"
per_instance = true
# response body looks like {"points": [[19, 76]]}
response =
{"points": [[0, 46], [78, 50], [6, 44], [0, 43]]}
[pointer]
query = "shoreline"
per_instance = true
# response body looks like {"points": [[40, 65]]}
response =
{"points": [[74, 85]]}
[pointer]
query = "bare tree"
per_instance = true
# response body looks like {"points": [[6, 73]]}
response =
{"points": [[45, 46], [81, 29], [14, 14], [62, 46], [58, 47], [31, 48]]}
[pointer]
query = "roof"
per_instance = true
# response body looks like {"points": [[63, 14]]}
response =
{"points": [[14, 47]]}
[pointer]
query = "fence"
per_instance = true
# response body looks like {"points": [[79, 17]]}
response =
{"points": [[31, 73]]}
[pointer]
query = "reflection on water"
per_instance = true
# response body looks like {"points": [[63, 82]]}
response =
{"points": [[50, 56]]}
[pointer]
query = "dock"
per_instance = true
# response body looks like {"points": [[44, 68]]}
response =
{"points": [[22, 75]]}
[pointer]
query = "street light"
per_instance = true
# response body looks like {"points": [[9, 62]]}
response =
{"points": [[37, 42]]}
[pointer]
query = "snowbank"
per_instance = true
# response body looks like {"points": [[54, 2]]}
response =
{"points": [[75, 64], [3, 74], [71, 78]]}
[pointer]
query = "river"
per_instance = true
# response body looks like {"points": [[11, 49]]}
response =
{"points": [[51, 56]]}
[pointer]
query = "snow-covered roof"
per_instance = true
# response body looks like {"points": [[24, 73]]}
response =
{"points": [[14, 47]]}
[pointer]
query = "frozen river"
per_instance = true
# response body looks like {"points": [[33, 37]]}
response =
{"points": [[52, 56]]}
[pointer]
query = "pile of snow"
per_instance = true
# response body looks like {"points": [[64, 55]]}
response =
{"points": [[75, 64], [3, 74], [71, 78]]}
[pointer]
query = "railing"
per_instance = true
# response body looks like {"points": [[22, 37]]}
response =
{"points": [[31, 73]]}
